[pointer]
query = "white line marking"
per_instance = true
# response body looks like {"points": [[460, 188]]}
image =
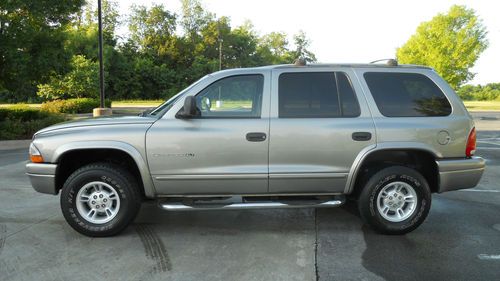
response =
{"points": [[489, 142], [480, 190], [488, 257], [485, 147]]}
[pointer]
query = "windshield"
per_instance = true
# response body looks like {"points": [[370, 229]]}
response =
{"points": [[164, 107]]}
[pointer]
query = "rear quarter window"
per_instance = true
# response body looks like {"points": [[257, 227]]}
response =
{"points": [[407, 95]]}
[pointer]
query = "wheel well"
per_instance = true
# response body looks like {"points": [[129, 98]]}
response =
{"points": [[72, 160], [422, 161]]}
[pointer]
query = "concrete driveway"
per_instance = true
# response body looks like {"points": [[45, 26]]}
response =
{"points": [[459, 241]]}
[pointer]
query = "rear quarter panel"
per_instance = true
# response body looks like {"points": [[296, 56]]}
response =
{"points": [[407, 131]]}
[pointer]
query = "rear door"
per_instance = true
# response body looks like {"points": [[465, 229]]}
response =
{"points": [[319, 123]]}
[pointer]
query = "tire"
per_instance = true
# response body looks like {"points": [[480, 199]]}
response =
{"points": [[100, 199], [385, 202]]}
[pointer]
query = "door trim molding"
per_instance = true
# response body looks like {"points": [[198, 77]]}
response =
{"points": [[307, 175], [211, 177]]}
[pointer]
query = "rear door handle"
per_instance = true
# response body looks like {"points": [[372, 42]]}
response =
{"points": [[254, 137], [361, 136]]}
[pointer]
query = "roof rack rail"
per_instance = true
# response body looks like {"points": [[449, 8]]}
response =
{"points": [[390, 62]]}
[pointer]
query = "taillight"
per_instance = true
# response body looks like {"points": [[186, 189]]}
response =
{"points": [[470, 149]]}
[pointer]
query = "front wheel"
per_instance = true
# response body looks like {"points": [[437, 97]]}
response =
{"points": [[395, 200], [100, 199]]}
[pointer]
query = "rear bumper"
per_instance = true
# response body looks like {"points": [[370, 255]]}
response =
{"points": [[42, 177], [460, 173]]}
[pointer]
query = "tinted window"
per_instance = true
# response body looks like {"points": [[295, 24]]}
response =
{"points": [[407, 95], [316, 95], [232, 97]]}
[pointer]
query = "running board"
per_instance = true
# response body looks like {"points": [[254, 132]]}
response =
{"points": [[180, 206]]}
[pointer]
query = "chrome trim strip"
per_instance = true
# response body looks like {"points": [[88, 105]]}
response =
{"points": [[40, 175], [211, 177], [308, 176], [252, 176]]}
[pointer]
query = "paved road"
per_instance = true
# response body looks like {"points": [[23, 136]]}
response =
{"points": [[459, 241]]}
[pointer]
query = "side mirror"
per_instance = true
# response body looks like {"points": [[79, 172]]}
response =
{"points": [[190, 110]]}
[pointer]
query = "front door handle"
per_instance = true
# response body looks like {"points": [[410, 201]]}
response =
{"points": [[256, 137], [361, 136]]}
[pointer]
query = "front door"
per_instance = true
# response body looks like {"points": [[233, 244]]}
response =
{"points": [[319, 124], [222, 151]]}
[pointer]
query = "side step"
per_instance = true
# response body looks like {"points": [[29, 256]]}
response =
{"points": [[249, 204]]}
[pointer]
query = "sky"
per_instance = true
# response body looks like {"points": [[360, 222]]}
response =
{"points": [[356, 31]]}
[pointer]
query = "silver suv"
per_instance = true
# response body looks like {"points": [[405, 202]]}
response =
{"points": [[282, 136]]}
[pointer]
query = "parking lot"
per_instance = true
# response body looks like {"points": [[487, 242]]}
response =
{"points": [[460, 239]]}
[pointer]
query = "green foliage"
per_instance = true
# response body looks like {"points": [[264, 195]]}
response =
{"points": [[81, 81], [488, 92], [82, 105], [32, 44], [55, 55], [450, 43], [21, 122], [301, 51]]}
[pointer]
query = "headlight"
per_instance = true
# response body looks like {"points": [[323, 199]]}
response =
{"points": [[35, 155]]}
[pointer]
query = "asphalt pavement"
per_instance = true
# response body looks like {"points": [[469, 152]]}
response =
{"points": [[460, 240]]}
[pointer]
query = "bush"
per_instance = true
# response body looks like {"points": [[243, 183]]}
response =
{"points": [[81, 82], [21, 122], [83, 105], [487, 92]]}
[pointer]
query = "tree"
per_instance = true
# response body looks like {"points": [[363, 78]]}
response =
{"points": [[450, 43], [152, 29], [32, 44], [301, 44], [194, 18], [273, 49]]}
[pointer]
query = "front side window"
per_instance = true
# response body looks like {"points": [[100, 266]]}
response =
{"points": [[407, 95], [316, 95], [232, 97]]}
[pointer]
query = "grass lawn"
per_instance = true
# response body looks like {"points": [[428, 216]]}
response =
{"points": [[482, 105], [33, 105], [136, 103]]}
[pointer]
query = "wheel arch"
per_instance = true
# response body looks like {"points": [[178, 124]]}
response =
{"points": [[97, 151], [405, 154]]}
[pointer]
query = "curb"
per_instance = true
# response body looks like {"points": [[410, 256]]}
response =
{"points": [[14, 144]]}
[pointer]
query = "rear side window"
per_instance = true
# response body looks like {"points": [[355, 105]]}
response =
{"points": [[316, 95], [406, 95]]}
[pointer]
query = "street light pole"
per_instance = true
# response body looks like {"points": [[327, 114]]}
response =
{"points": [[101, 66], [101, 110]]}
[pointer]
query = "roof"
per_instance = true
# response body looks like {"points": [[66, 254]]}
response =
{"points": [[327, 65], [351, 65]]}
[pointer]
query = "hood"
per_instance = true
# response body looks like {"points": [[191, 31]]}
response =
{"points": [[100, 121]]}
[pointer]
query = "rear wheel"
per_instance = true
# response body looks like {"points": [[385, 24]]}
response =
{"points": [[395, 200], [100, 199]]}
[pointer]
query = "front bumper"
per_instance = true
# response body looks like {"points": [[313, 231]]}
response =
{"points": [[42, 177], [459, 173]]}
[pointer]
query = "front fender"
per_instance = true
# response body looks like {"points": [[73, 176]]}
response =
{"points": [[139, 160]]}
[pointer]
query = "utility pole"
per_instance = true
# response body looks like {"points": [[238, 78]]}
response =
{"points": [[101, 110], [219, 37], [220, 54]]}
